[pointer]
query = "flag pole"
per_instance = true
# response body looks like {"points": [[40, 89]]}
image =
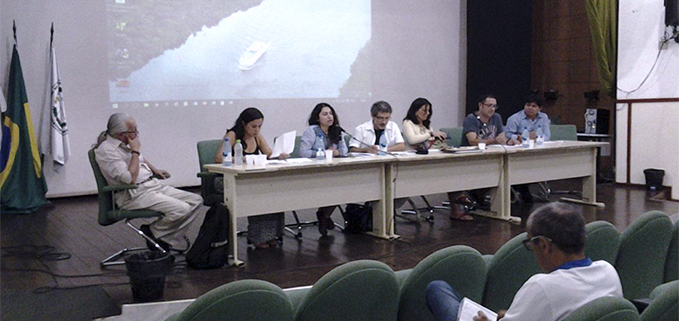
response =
{"points": [[14, 28], [51, 34]]}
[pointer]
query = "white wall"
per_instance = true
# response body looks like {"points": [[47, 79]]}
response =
{"points": [[169, 135], [654, 124], [641, 23]]}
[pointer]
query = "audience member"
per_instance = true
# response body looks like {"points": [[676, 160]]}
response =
{"points": [[556, 235]]}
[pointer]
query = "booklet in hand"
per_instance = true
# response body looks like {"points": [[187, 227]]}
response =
{"points": [[469, 309]]}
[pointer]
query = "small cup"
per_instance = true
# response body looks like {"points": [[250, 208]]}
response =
{"points": [[262, 160], [250, 160], [531, 143], [328, 155], [482, 146]]}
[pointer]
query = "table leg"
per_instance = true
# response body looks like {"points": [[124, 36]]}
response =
{"points": [[230, 201]]}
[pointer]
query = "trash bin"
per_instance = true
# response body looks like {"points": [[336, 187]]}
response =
{"points": [[654, 179], [147, 272]]}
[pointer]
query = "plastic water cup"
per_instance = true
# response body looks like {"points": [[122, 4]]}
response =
{"points": [[328, 155], [482, 146], [250, 159], [261, 160], [531, 143]]}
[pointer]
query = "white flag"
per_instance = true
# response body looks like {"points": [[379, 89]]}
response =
{"points": [[60, 147]]}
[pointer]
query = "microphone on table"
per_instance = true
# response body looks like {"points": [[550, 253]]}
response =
{"points": [[362, 143]]}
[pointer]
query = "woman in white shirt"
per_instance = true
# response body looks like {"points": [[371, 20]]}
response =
{"points": [[418, 133]]}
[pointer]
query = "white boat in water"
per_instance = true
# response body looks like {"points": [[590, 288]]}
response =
{"points": [[251, 55]]}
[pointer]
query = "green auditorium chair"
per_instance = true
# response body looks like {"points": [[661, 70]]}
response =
{"points": [[461, 266], [362, 290], [603, 241], [251, 300], [643, 251], [110, 214], [665, 304], [508, 269], [207, 149], [606, 308], [672, 263]]}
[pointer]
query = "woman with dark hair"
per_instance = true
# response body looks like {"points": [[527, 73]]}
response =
{"points": [[417, 129], [323, 122], [418, 133], [263, 230]]}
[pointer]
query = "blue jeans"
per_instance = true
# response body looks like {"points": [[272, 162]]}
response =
{"points": [[443, 301]]}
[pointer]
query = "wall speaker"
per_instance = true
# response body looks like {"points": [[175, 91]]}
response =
{"points": [[596, 121]]}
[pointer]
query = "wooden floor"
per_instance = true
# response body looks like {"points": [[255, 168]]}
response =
{"points": [[69, 226]]}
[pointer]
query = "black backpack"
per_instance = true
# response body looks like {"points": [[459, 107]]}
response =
{"points": [[209, 251], [358, 218]]}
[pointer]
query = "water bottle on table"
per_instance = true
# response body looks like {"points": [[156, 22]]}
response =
{"points": [[384, 142], [539, 136], [226, 152], [525, 136], [319, 147], [238, 153]]}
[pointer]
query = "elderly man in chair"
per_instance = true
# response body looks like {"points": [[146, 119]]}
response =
{"points": [[118, 153], [556, 235]]}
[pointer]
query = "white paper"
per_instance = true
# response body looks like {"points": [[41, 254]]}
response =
{"points": [[284, 144], [299, 160], [357, 154], [469, 309]]}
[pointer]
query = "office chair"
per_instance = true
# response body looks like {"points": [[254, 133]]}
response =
{"points": [[207, 149], [558, 132], [454, 135], [109, 214]]}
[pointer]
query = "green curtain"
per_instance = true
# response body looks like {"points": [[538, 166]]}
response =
{"points": [[602, 15]]}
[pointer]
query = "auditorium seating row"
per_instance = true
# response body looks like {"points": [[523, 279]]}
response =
{"points": [[645, 256]]}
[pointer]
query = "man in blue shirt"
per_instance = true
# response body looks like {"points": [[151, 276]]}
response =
{"points": [[531, 118]]}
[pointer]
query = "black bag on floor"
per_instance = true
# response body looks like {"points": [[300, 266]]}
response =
{"points": [[209, 251], [359, 218]]}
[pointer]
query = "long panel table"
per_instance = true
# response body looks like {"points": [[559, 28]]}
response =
{"points": [[250, 190], [553, 161], [253, 190]]}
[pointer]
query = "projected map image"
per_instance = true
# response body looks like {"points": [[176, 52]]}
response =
{"points": [[270, 49]]}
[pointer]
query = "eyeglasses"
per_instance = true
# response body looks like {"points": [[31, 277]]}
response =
{"points": [[135, 131], [529, 243], [494, 106]]}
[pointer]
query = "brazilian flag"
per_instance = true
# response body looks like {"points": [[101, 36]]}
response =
{"points": [[22, 182]]}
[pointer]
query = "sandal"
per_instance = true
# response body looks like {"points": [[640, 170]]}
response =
{"points": [[464, 200]]}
